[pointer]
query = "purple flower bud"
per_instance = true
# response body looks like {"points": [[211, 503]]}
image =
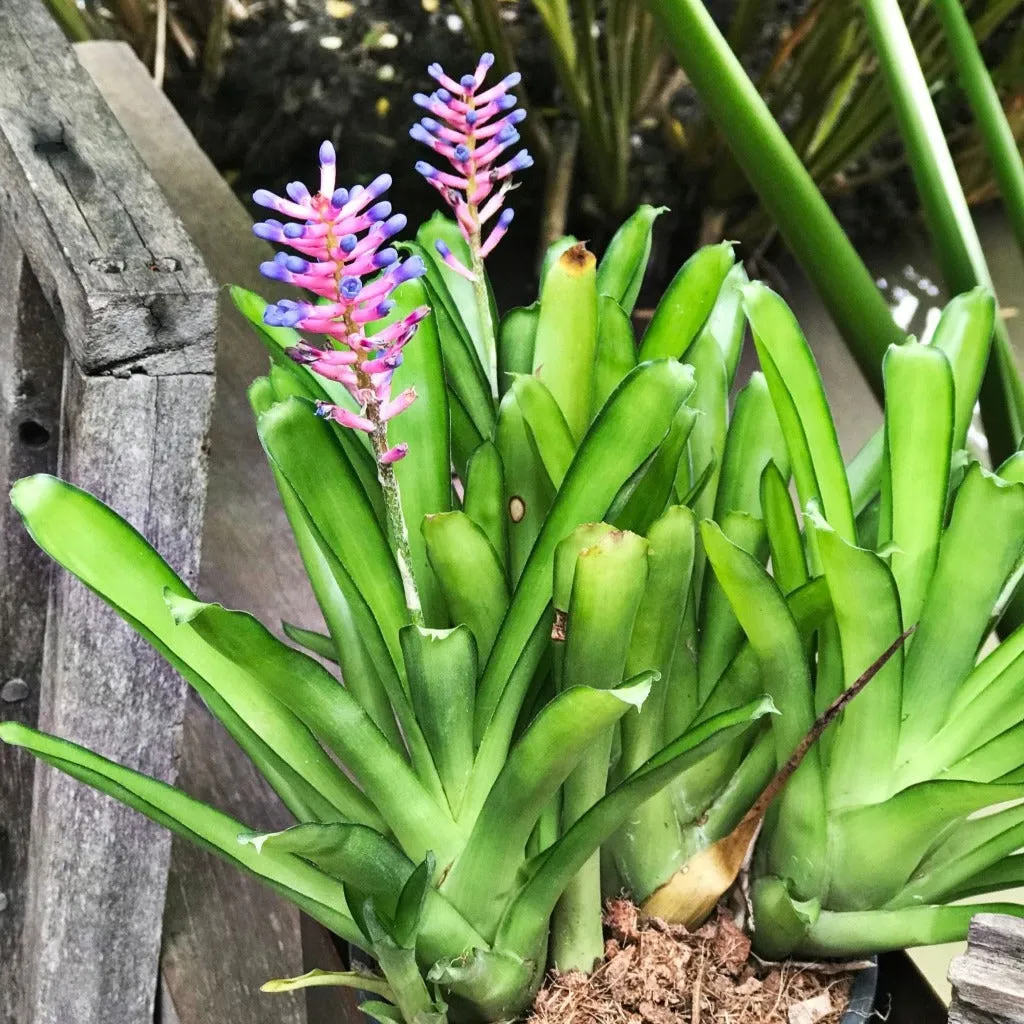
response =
{"points": [[486, 59], [297, 191], [274, 271], [385, 258], [340, 198], [506, 217], [443, 95], [265, 229], [462, 153], [510, 81], [347, 243], [393, 225], [420, 134], [435, 71], [381, 211], [467, 82], [296, 265], [327, 155], [430, 124], [521, 161], [506, 102], [385, 307], [379, 185], [472, 117], [350, 287], [294, 230], [263, 197], [422, 167], [422, 100]]}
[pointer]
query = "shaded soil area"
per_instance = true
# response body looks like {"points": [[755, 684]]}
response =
{"points": [[655, 973]]}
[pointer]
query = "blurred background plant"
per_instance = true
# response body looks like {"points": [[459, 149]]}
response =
{"points": [[618, 121]]}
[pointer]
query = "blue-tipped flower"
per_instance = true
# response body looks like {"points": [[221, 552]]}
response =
{"points": [[471, 128], [340, 236]]}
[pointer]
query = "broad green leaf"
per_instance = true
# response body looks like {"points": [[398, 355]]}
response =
{"points": [[616, 350], [327, 709], [796, 845], [528, 491], [978, 551], [727, 323], [801, 407], [442, 681], [291, 877], [317, 643], [526, 920], [918, 435], [484, 500], [687, 302], [867, 612], [116, 562], [298, 443], [470, 574], [551, 435], [629, 430], [425, 475], [620, 274], [566, 340], [484, 875], [1007, 874], [516, 337], [466, 438]]}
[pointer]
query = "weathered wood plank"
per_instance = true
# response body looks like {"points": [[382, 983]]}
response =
{"points": [[988, 980], [98, 870], [30, 387], [249, 561], [121, 275]]}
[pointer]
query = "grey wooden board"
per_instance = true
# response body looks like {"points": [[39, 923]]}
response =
{"points": [[988, 980], [128, 287], [137, 443], [219, 926], [30, 387]]}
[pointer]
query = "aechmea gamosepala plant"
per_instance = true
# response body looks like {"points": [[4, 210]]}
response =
{"points": [[434, 846]]}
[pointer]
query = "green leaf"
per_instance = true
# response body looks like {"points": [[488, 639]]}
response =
{"points": [[905, 827], [326, 708], [517, 335], [978, 552], [411, 902], [789, 564], [620, 273], [528, 490], [566, 341], [551, 434], [918, 435], [553, 253], [116, 562], [526, 919], [629, 429], [470, 574], [317, 978], [797, 843], [801, 407], [424, 477], [616, 350], [484, 500], [318, 643], [727, 323], [314, 892], [442, 680], [299, 445], [865, 739], [484, 876], [687, 302], [466, 438]]}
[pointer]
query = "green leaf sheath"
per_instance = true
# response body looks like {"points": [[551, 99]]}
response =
{"points": [[471, 576], [442, 667], [919, 437], [424, 478], [484, 498], [789, 563], [687, 303], [116, 562], [314, 892], [566, 341], [551, 435], [797, 844], [979, 550], [607, 585], [620, 273], [629, 430], [517, 335], [727, 322]]}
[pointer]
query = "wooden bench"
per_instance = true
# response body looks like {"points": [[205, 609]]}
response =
{"points": [[107, 332]]}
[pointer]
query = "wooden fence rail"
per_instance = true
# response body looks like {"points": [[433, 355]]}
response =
{"points": [[107, 327]]}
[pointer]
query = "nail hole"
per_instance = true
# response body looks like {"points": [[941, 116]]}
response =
{"points": [[165, 265], [32, 434], [50, 147], [108, 265]]}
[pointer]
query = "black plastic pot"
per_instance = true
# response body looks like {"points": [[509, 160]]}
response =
{"points": [[863, 995]]}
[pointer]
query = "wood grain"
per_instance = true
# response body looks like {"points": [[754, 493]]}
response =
{"points": [[988, 980]]}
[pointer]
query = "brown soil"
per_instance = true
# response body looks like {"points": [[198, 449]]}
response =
{"points": [[654, 973]]}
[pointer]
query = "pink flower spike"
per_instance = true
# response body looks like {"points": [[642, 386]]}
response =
{"points": [[453, 261], [346, 418], [498, 233], [393, 455], [389, 410]]}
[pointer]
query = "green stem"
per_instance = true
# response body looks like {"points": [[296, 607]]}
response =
{"points": [[786, 189], [483, 304], [957, 246]]}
